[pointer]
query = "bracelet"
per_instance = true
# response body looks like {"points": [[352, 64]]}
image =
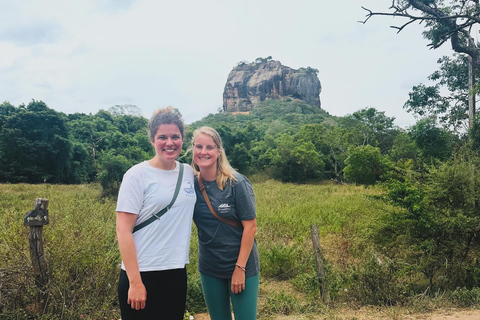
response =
{"points": [[241, 267]]}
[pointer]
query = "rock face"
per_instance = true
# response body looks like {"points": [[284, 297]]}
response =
{"points": [[249, 84]]}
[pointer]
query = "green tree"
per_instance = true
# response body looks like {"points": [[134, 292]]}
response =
{"points": [[295, 162], [365, 165], [432, 141], [444, 22], [112, 169], [35, 145], [240, 158], [451, 109], [370, 126], [403, 148]]}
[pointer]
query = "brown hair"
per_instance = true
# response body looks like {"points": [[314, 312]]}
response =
{"points": [[166, 115]]}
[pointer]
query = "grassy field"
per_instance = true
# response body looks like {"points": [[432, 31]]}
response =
{"points": [[83, 259]]}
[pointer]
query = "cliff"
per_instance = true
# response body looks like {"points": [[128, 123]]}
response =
{"points": [[249, 84]]}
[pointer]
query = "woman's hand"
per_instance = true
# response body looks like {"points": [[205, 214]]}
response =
{"points": [[137, 296], [238, 280], [248, 236]]}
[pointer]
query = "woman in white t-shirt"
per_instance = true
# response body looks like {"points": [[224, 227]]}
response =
{"points": [[153, 279]]}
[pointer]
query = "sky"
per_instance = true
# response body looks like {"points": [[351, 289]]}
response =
{"points": [[84, 56]]}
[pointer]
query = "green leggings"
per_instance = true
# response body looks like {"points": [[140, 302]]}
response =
{"points": [[217, 295]]}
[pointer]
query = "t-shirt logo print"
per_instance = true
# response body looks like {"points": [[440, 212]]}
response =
{"points": [[224, 207], [189, 190]]}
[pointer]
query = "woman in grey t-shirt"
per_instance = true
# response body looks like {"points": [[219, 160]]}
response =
{"points": [[228, 257]]}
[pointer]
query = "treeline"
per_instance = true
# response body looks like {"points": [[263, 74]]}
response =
{"points": [[289, 141], [41, 145]]}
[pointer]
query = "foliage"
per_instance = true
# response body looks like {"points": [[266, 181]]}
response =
{"points": [[80, 250], [280, 263], [403, 148], [371, 127], [465, 297], [77, 148], [365, 165], [364, 241], [444, 21], [83, 258], [432, 142], [375, 281], [295, 162], [112, 171], [35, 145], [438, 223], [451, 109], [288, 140]]}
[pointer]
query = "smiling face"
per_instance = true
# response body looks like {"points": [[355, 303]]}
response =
{"points": [[205, 152], [167, 142]]}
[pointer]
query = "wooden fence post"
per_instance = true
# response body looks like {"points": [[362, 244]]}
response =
{"points": [[321, 275], [36, 219]]}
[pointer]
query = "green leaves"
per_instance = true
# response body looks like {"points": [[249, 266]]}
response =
{"points": [[365, 165]]}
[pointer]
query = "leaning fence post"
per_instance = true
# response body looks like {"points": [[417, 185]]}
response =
{"points": [[36, 219], [321, 275]]}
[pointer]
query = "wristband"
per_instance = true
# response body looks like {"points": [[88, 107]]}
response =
{"points": [[241, 267]]}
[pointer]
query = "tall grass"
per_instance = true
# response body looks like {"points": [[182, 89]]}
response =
{"points": [[83, 258], [80, 249]]}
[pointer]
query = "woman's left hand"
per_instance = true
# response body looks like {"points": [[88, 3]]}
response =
{"points": [[238, 281]]}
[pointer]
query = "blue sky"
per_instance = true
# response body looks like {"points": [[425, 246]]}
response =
{"points": [[83, 56]]}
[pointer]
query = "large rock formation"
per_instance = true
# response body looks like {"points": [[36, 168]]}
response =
{"points": [[250, 83]]}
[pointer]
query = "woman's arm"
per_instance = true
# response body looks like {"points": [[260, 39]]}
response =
{"points": [[137, 294], [248, 236]]}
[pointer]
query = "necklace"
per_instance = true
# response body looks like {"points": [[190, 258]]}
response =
{"points": [[208, 184]]}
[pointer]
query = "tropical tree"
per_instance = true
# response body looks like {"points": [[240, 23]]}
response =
{"points": [[35, 145], [371, 127], [295, 161], [433, 142], [365, 165], [451, 109], [444, 22]]}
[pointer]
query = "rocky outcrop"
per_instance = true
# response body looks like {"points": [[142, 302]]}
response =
{"points": [[250, 83]]}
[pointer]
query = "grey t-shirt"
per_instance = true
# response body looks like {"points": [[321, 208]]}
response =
{"points": [[219, 242]]}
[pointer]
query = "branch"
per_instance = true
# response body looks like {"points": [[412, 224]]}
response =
{"points": [[433, 14], [406, 24]]}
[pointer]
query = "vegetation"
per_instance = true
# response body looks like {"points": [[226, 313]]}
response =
{"points": [[363, 240]]}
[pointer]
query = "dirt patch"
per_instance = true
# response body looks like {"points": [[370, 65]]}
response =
{"points": [[375, 314]]}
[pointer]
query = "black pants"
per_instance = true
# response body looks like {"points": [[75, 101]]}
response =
{"points": [[166, 295]]}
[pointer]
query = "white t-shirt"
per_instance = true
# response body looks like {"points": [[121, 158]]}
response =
{"points": [[163, 244]]}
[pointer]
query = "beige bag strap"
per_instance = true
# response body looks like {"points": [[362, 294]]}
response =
{"points": [[234, 223]]}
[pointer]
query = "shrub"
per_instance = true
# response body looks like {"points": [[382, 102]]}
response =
{"points": [[375, 282], [466, 298]]}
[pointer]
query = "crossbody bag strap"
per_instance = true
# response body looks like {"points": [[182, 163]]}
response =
{"points": [[164, 210], [234, 223]]}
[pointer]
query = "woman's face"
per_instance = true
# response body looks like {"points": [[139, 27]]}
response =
{"points": [[205, 152], [168, 142]]}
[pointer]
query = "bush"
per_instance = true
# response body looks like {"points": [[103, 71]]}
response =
{"points": [[466, 298], [365, 165], [375, 282]]}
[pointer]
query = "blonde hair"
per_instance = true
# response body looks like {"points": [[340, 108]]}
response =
{"points": [[224, 169], [166, 115]]}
